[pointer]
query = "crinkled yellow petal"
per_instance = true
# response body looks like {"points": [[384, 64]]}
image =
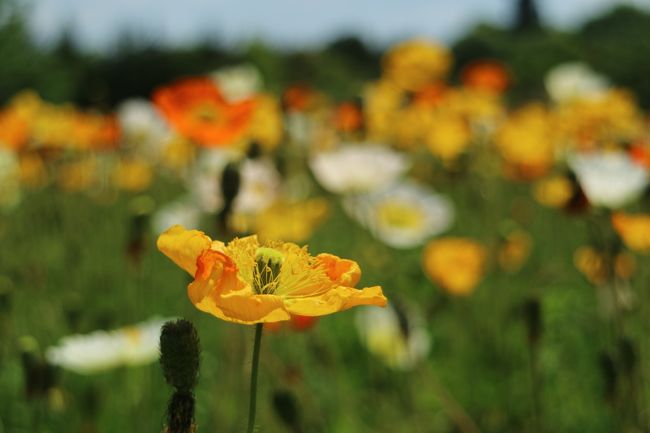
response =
{"points": [[183, 246], [336, 299], [341, 271], [245, 308]]}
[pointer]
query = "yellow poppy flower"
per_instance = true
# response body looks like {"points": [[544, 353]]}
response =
{"points": [[634, 229], [456, 264], [248, 282], [415, 63], [132, 175], [593, 265], [553, 191]]}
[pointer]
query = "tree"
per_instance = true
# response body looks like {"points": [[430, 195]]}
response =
{"points": [[526, 16]]}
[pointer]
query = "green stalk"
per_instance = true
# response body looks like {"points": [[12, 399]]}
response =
{"points": [[254, 368]]}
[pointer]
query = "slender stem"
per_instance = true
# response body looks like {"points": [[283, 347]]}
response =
{"points": [[254, 368]]}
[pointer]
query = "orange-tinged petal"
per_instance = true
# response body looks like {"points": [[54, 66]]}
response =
{"points": [[341, 271], [216, 274], [183, 246]]}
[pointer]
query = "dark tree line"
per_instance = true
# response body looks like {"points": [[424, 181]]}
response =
{"points": [[616, 44]]}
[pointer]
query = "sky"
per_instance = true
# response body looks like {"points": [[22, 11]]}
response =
{"points": [[287, 23]]}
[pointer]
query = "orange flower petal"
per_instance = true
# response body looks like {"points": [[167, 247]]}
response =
{"points": [[341, 271]]}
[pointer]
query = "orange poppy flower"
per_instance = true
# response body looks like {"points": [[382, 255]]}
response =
{"points": [[298, 97], [296, 323], [248, 282], [196, 109], [486, 75], [14, 130], [348, 117]]}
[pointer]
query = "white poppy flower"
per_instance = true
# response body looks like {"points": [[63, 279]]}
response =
{"points": [[570, 81], [609, 179], [104, 350], [143, 127], [237, 83], [182, 211], [358, 168], [397, 337], [403, 216], [259, 184]]}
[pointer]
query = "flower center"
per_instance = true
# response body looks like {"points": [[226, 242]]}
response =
{"points": [[400, 215], [206, 112], [266, 274]]}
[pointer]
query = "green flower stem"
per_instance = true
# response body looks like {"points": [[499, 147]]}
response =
{"points": [[254, 368]]}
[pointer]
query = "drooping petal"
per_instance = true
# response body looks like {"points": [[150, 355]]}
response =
{"points": [[341, 271], [355, 297], [336, 299], [183, 246]]}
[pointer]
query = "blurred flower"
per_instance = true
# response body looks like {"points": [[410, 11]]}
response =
{"points": [[104, 350], [295, 323], [94, 131], [348, 117], [487, 75], [410, 125], [181, 211], [481, 110], [634, 229], [196, 108], [143, 128], [382, 100], [554, 191], [79, 175], [260, 182], [356, 168], [593, 265], [455, 264], [33, 172], [178, 154], [640, 154], [132, 175], [14, 129], [448, 137], [238, 83], [9, 179], [514, 250], [260, 186], [292, 222], [610, 179], [575, 80], [298, 98], [525, 142], [397, 337], [248, 282], [612, 119], [266, 127], [403, 216], [415, 63]]}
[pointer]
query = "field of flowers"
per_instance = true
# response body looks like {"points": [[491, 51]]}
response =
{"points": [[472, 265]]}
